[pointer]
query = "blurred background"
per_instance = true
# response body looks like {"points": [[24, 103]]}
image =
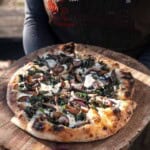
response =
{"points": [[11, 24]]}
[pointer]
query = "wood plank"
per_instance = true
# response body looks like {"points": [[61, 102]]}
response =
{"points": [[11, 22]]}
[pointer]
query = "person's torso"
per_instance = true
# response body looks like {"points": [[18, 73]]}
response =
{"points": [[107, 23]]}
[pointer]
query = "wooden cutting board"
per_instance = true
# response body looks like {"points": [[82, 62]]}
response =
{"points": [[13, 138]]}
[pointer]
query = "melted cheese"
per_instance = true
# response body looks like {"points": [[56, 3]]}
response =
{"points": [[20, 94], [105, 119], [72, 121], [51, 63], [89, 80], [97, 65], [43, 68], [50, 88]]}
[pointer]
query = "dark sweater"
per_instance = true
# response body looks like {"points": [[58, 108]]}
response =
{"points": [[107, 23]]}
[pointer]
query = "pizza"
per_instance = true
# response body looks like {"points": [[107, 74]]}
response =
{"points": [[66, 94]]}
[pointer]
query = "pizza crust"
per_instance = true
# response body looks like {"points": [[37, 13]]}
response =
{"points": [[99, 128]]}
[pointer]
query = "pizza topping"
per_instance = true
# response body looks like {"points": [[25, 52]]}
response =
{"points": [[38, 125], [77, 63], [30, 111], [51, 63], [68, 48], [72, 110], [58, 69], [89, 80], [23, 99], [88, 62], [65, 90], [21, 78], [63, 120]]}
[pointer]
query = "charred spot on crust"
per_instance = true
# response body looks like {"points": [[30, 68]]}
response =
{"points": [[117, 111], [58, 128], [127, 75], [127, 93], [91, 135], [69, 47], [104, 128], [39, 126], [129, 112]]}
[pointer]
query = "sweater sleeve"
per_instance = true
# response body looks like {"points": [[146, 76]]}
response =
{"points": [[37, 32]]}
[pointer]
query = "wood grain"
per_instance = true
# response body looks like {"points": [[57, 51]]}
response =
{"points": [[14, 138]]}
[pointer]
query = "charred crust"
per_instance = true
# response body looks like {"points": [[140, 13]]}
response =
{"points": [[127, 75], [127, 94], [104, 128], [129, 112], [69, 47], [58, 128], [117, 112], [91, 135]]}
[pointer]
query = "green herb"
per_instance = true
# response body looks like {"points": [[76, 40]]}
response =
{"points": [[82, 95], [35, 99], [22, 87], [39, 61], [30, 111], [104, 66], [80, 117], [89, 62], [42, 110], [34, 71], [43, 92], [107, 90], [21, 78], [63, 108], [61, 101]]}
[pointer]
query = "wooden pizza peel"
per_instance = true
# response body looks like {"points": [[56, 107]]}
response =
{"points": [[13, 138]]}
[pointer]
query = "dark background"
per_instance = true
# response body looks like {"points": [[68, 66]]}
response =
{"points": [[11, 48]]}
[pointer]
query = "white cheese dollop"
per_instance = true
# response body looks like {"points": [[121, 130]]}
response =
{"points": [[51, 63], [50, 88], [72, 121], [89, 80]]}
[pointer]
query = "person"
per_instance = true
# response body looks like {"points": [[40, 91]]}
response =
{"points": [[120, 25]]}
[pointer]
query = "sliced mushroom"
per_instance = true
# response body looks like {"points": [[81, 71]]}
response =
{"points": [[23, 99], [58, 69], [70, 68], [39, 126], [81, 102], [55, 114], [63, 120], [50, 105], [78, 78], [77, 63], [72, 110], [77, 86]]}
